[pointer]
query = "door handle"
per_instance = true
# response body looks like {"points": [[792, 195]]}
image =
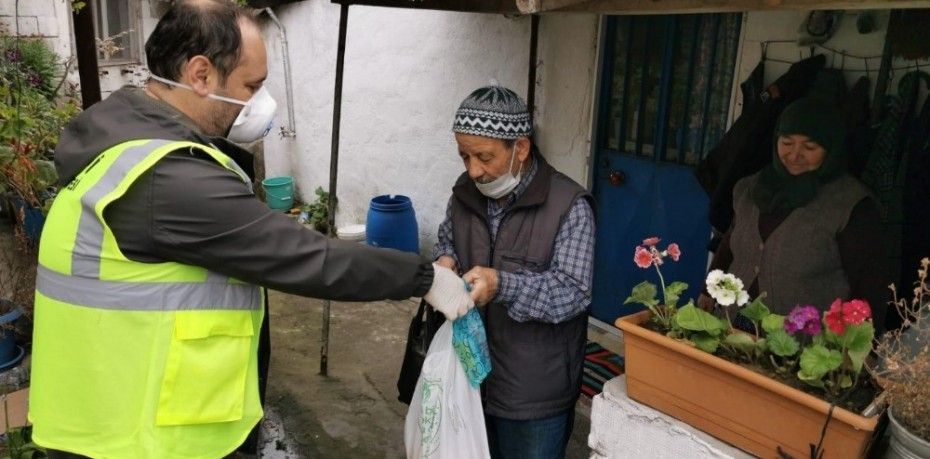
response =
{"points": [[617, 177]]}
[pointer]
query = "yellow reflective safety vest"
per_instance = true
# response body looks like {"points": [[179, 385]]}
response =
{"points": [[130, 359]]}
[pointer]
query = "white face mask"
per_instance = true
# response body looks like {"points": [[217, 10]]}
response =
{"points": [[505, 184], [255, 118]]}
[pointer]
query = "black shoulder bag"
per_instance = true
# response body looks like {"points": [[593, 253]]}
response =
{"points": [[422, 328]]}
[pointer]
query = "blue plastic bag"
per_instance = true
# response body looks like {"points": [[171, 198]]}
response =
{"points": [[470, 341]]}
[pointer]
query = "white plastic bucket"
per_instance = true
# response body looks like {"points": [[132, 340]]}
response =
{"points": [[351, 233]]}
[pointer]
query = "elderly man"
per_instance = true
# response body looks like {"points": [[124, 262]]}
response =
{"points": [[149, 306], [524, 235]]}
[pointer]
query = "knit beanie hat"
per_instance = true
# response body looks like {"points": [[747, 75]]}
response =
{"points": [[493, 111], [821, 120]]}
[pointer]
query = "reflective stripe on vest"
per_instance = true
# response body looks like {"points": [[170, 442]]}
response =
{"points": [[140, 360]]}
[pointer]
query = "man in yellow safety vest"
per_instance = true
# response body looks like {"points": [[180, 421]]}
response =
{"points": [[150, 338]]}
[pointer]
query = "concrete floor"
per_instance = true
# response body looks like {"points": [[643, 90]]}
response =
{"points": [[354, 411]]}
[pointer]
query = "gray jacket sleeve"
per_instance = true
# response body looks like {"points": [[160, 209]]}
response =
{"points": [[190, 210]]}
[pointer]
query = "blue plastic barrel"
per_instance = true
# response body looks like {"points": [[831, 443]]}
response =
{"points": [[392, 223]]}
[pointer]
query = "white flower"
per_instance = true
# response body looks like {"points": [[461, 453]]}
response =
{"points": [[714, 277], [726, 289], [742, 298], [737, 283], [725, 297]]}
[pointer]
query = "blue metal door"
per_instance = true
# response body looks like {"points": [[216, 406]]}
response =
{"points": [[665, 89]]}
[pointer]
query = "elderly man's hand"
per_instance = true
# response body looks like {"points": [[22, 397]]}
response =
{"points": [[447, 262], [484, 283]]}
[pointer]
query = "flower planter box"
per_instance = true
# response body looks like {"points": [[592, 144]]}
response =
{"points": [[735, 404]]}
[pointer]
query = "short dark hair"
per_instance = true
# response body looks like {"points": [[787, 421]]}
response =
{"points": [[191, 28]]}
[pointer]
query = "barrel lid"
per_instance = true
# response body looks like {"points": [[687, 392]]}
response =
{"points": [[350, 231]]}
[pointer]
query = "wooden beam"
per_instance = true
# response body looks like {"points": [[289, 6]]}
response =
{"points": [[718, 6], [469, 6], [539, 6], [85, 46]]}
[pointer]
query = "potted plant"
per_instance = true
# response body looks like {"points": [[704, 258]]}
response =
{"points": [[32, 114], [35, 104], [903, 368], [19, 258], [765, 391]]}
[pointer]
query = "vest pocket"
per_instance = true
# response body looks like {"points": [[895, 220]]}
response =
{"points": [[206, 368], [511, 261]]}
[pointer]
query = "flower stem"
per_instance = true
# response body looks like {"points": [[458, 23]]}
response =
{"points": [[726, 311], [667, 316]]}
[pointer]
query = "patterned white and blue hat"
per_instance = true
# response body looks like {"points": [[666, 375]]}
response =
{"points": [[493, 111]]}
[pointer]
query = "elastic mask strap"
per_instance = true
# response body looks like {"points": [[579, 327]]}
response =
{"points": [[182, 85]]}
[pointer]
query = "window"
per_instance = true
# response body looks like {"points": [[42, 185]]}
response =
{"points": [[116, 26], [669, 84]]}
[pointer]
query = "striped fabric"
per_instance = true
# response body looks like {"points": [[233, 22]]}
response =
{"points": [[600, 366]]}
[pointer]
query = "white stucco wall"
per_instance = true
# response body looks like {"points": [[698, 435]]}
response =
{"points": [[405, 73], [783, 25]]}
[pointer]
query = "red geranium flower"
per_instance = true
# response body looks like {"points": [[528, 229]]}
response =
{"points": [[651, 241], [834, 317], [673, 251], [643, 257], [856, 311]]}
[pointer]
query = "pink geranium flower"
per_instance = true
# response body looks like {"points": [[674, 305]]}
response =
{"points": [[834, 317], [856, 311], [673, 251], [643, 257], [651, 241]]}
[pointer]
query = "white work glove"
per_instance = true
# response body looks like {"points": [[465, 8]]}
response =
{"points": [[448, 294]]}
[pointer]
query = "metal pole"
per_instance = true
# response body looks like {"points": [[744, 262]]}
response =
{"points": [[334, 166], [85, 47], [531, 84]]}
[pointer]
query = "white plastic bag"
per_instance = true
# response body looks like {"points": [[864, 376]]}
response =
{"points": [[445, 419]]}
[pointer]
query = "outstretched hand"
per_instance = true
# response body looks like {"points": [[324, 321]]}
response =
{"points": [[448, 294]]}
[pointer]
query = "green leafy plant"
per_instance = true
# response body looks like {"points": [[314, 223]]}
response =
{"points": [[20, 445], [32, 116], [316, 213], [647, 256], [826, 351]]}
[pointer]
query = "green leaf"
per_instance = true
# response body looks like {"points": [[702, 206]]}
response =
{"points": [[644, 293], [782, 344], [673, 293], [817, 361], [705, 342], [692, 318], [845, 382], [773, 323], [741, 341], [756, 310], [816, 382], [857, 358], [858, 338]]}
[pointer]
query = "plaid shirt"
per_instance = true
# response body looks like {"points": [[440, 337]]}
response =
{"points": [[556, 295]]}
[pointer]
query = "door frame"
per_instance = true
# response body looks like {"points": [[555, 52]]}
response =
{"points": [[598, 110]]}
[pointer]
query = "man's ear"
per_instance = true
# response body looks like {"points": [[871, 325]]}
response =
{"points": [[523, 147], [198, 73]]}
